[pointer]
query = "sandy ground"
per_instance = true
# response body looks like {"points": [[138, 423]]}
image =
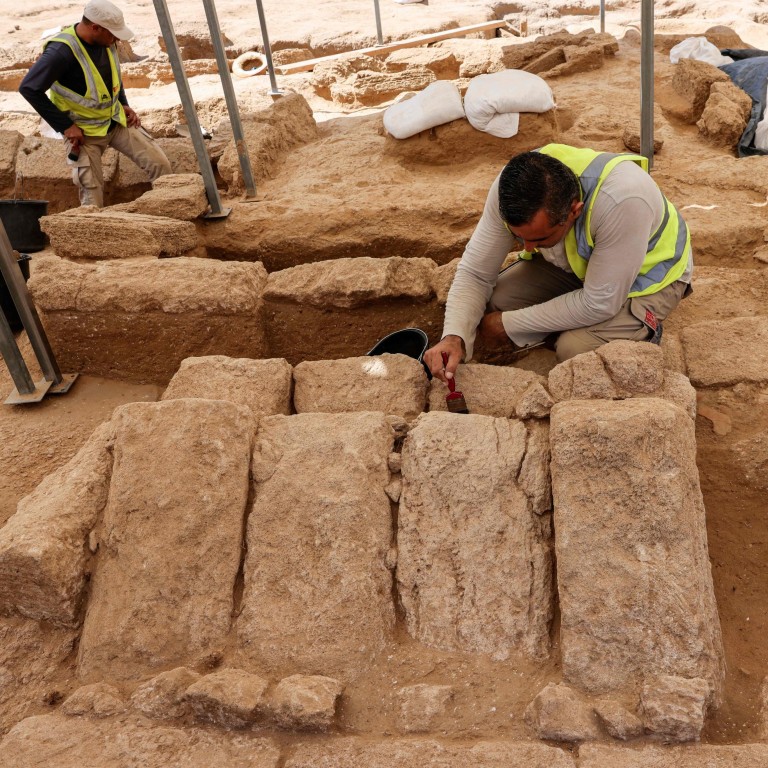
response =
{"points": [[37, 439]]}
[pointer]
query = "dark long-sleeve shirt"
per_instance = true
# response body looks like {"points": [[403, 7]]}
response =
{"points": [[58, 64]]}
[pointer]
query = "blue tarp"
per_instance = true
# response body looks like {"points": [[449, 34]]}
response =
{"points": [[749, 72]]}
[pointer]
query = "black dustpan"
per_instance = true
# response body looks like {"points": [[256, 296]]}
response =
{"points": [[412, 342]]}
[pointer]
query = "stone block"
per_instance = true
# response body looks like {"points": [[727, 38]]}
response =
{"points": [[674, 707], [42, 163], [725, 115], [472, 577], [389, 383], [618, 721], [9, 145], [318, 593], [231, 698], [162, 697], [490, 390], [635, 368], [443, 278], [426, 753], [137, 320], [560, 714], [693, 80], [175, 196], [170, 546], [96, 700], [43, 547], [421, 704], [579, 58], [634, 577], [269, 134], [194, 40], [117, 235], [72, 742], [712, 240], [262, 385], [438, 60], [721, 354], [305, 702], [709, 755], [341, 308]]}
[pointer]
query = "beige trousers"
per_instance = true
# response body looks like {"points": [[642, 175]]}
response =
{"points": [[526, 283], [87, 171]]}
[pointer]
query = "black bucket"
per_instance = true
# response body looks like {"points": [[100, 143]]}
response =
{"points": [[21, 219], [409, 341], [6, 302]]}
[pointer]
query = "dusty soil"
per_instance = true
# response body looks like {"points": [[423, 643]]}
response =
{"points": [[38, 662]]}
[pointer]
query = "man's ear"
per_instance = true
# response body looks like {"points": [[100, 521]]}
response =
{"points": [[577, 206]]}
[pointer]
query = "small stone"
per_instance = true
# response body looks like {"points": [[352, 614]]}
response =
{"points": [[635, 367], [618, 720], [534, 403], [394, 488], [398, 424], [631, 139], [395, 462], [306, 702], [421, 704], [162, 697], [93, 542], [230, 697], [98, 699], [557, 713], [674, 707]]}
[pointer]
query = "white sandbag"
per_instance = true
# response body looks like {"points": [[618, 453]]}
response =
{"points": [[438, 103], [493, 102], [761, 132], [698, 48]]}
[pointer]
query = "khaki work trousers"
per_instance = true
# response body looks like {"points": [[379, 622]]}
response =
{"points": [[87, 170], [526, 283]]}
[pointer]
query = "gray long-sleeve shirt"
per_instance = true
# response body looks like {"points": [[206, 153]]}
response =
{"points": [[628, 209]]}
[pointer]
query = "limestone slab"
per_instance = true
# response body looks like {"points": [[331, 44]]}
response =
{"points": [[720, 354], [305, 702], [9, 144], [317, 597], [43, 547], [69, 742], [137, 320], [231, 698], [117, 235], [170, 545], [711, 756], [474, 559], [490, 390], [427, 753], [175, 196], [389, 383], [262, 385], [162, 697], [341, 308], [633, 570]]}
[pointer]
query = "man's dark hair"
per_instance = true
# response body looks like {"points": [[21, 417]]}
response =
{"points": [[531, 181]]}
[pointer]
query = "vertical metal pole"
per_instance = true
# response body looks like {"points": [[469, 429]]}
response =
{"points": [[17, 288], [602, 15], [14, 360], [231, 99], [267, 50], [379, 33], [646, 82], [172, 47]]}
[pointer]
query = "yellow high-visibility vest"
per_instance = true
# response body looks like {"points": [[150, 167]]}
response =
{"points": [[669, 247], [94, 111]]}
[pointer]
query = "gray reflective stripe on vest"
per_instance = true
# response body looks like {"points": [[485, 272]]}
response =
{"points": [[653, 242], [589, 181], [77, 98], [657, 273], [85, 65]]}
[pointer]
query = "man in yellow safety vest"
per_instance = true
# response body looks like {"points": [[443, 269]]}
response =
{"points": [[604, 256], [87, 103]]}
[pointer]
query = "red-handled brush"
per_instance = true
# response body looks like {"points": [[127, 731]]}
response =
{"points": [[454, 399]]}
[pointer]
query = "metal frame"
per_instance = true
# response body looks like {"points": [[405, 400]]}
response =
{"points": [[602, 15], [275, 91], [646, 82], [187, 102], [379, 32]]}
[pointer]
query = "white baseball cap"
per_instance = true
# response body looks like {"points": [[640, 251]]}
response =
{"points": [[109, 16]]}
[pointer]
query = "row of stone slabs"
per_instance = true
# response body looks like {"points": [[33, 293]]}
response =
{"points": [[472, 555], [71, 743]]}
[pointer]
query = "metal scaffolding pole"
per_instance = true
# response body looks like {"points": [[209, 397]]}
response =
{"points": [[602, 15], [646, 82], [231, 99], [187, 102], [379, 32], [275, 91]]}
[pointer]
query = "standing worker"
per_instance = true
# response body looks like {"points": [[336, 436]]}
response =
{"points": [[87, 102], [606, 257]]}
